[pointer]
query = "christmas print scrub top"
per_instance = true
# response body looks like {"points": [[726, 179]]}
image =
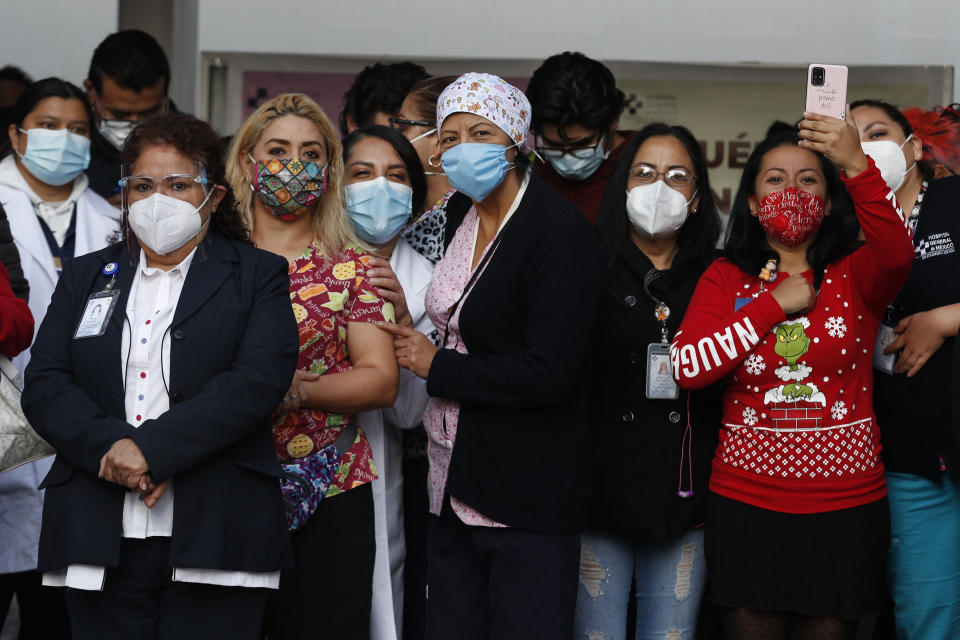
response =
{"points": [[326, 295], [799, 434]]}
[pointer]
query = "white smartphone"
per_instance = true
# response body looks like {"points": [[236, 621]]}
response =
{"points": [[827, 90]]}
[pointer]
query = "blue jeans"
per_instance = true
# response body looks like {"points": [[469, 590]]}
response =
{"points": [[924, 566], [670, 579]]}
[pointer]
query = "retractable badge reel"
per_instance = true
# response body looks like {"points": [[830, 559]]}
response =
{"points": [[885, 337], [100, 305], [660, 382]]}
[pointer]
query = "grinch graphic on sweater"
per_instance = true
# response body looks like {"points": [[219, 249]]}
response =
{"points": [[791, 345]]}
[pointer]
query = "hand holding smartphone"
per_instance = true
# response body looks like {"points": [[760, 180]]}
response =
{"points": [[825, 128], [827, 90]]}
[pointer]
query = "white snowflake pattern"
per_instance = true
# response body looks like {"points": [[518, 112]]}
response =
{"points": [[838, 410], [749, 416], [755, 364], [835, 326]]}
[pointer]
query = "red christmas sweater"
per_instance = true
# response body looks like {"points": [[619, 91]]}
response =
{"points": [[799, 434]]}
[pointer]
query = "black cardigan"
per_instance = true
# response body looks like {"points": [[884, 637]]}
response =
{"points": [[637, 442], [521, 455]]}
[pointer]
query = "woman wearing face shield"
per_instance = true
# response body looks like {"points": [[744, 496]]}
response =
{"points": [[912, 383], [652, 444], [513, 300], [53, 216], [286, 168], [154, 375]]}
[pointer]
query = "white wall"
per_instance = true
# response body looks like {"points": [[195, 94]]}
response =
{"points": [[853, 32], [54, 37], [57, 37]]}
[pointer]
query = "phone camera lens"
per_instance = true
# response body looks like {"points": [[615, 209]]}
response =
{"points": [[817, 76]]}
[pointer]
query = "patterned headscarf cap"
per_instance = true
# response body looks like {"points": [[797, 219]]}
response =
{"points": [[490, 97]]}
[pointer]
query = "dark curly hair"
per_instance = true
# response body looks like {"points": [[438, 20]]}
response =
{"points": [[133, 59], [570, 89], [379, 87], [196, 140]]}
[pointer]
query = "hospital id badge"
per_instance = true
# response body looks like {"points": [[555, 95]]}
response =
{"points": [[96, 314], [660, 382], [881, 361]]}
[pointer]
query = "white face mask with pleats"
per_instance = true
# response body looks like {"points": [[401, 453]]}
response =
{"points": [[656, 209], [164, 224], [889, 158]]}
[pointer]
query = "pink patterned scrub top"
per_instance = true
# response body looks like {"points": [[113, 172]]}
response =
{"points": [[326, 295]]}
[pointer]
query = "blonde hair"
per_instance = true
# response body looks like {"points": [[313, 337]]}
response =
{"points": [[332, 228]]}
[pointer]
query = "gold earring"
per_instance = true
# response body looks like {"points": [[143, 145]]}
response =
{"points": [[430, 162]]}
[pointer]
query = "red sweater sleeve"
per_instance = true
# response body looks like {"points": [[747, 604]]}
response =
{"points": [[882, 264], [714, 338], [16, 322]]}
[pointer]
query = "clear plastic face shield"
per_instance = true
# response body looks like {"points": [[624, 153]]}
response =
{"points": [[185, 181]]}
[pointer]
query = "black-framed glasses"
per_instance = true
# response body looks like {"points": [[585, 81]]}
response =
{"points": [[581, 152], [401, 124], [648, 174]]}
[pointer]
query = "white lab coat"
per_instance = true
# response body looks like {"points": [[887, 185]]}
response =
{"points": [[20, 502], [383, 431]]}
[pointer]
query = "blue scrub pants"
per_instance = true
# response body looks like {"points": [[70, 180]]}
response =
{"points": [[924, 566]]}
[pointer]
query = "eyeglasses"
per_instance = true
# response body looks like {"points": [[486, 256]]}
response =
{"points": [[178, 185], [647, 174], [401, 124], [118, 117], [581, 153]]}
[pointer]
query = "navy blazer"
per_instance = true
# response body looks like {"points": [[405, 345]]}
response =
{"points": [[233, 350]]}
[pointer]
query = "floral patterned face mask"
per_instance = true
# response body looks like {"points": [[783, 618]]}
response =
{"points": [[288, 185]]}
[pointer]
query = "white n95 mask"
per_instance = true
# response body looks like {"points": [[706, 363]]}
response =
{"points": [[164, 223], [656, 209], [889, 158]]}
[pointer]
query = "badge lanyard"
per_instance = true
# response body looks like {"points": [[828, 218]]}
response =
{"points": [[660, 382], [466, 289], [886, 331], [100, 306], [473, 279]]}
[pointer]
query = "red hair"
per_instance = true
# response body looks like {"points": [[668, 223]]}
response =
{"points": [[939, 130]]}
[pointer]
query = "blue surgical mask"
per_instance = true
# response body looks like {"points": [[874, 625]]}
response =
{"points": [[378, 208], [579, 164], [476, 168], [55, 156]]}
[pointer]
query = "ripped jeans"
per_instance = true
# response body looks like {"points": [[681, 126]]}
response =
{"points": [[671, 576]]}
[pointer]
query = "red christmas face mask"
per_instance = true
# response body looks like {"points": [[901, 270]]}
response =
{"points": [[791, 216]]}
